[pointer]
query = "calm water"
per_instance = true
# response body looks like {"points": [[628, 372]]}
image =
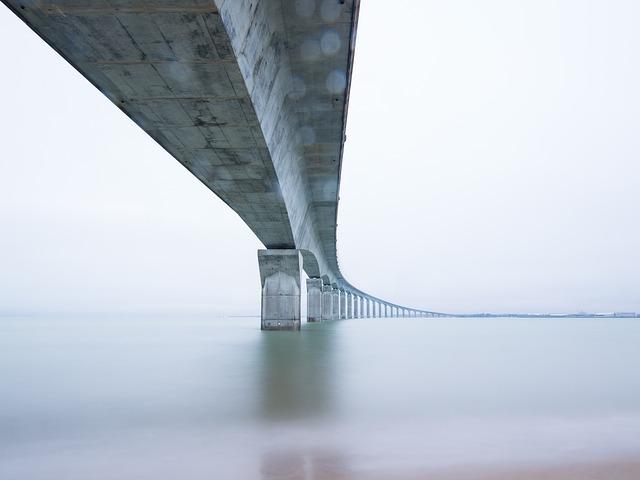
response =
{"points": [[206, 398]]}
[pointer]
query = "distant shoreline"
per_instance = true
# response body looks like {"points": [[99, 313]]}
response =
{"points": [[548, 315]]}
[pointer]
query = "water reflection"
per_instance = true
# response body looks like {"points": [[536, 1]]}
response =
{"points": [[372, 398], [295, 374]]}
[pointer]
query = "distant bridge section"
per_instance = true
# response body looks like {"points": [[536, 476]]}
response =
{"points": [[251, 97]]}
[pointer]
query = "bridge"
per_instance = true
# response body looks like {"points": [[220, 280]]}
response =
{"points": [[251, 97]]}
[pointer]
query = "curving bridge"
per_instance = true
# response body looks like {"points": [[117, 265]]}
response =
{"points": [[251, 97]]}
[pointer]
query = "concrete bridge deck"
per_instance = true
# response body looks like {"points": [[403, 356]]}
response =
{"points": [[251, 97]]}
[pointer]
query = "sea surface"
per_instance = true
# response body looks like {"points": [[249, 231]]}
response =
{"points": [[158, 398]]}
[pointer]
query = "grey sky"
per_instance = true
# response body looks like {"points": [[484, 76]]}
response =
{"points": [[491, 164]]}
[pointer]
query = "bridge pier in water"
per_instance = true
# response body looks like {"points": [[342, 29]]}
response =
{"points": [[349, 305], [281, 280], [356, 305], [314, 299], [335, 312], [327, 302], [343, 305]]}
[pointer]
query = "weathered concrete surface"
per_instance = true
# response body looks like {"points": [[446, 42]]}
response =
{"points": [[250, 96], [314, 299], [327, 302], [343, 304], [280, 276]]}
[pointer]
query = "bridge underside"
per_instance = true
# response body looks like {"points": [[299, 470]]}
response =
{"points": [[251, 97]]}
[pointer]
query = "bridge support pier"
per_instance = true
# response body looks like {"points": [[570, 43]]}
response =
{"points": [[343, 305], [314, 299], [349, 305], [327, 302], [281, 279], [335, 312], [356, 306]]}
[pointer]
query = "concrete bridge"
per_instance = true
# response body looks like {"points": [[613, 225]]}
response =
{"points": [[251, 97]]}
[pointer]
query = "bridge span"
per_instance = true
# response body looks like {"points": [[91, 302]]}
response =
{"points": [[251, 97]]}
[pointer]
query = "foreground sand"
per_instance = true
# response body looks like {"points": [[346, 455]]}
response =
{"points": [[613, 470], [328, 470]]}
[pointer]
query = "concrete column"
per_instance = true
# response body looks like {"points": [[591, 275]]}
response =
{"points": [[343, 304], [356, 306], [386, 310], [335, 314], [368, 302], [281, 280], [349, 305], [327, 302], [314, 299], [375, 309]]}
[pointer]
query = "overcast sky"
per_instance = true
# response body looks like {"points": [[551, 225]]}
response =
{"points": [[491, 164]]}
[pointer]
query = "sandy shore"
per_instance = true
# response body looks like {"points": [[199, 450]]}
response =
{"points": [[612, 470], [327, 469]]}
